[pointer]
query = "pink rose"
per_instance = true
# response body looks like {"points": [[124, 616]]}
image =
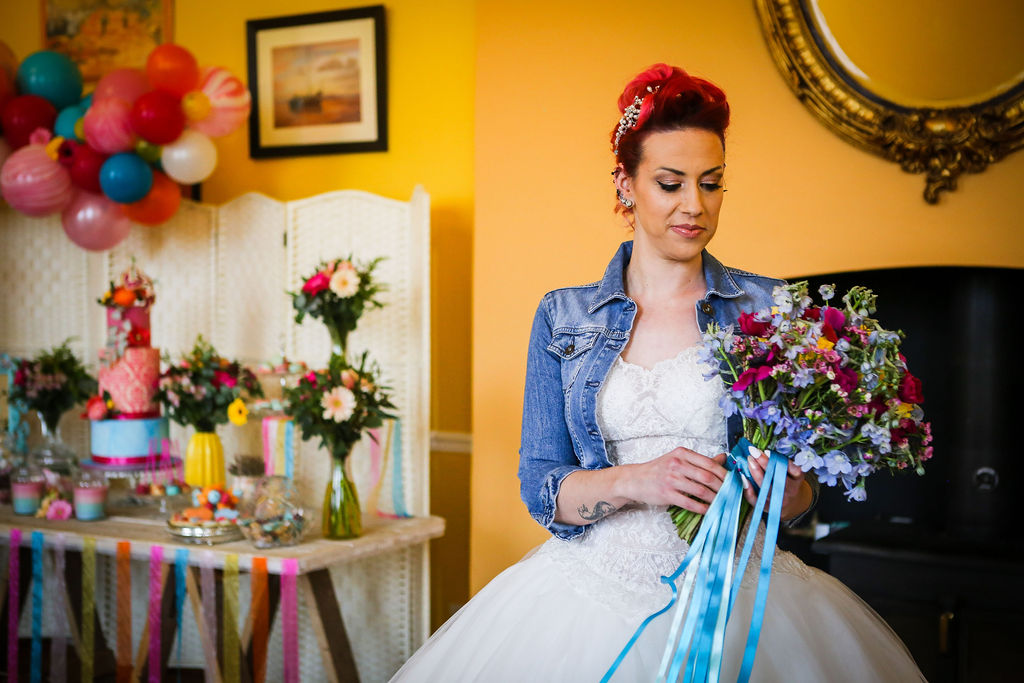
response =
{"points": [[316, 284], [222, 378], [96, 408], [311, 377], [59, 509], [349, 378]]}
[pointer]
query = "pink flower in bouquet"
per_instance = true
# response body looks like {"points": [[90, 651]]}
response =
{"points": [[96, 408], [349, 378], [910, 389], [751, 375], [59, 509], [222, 378], [753, 327], [316, 284], [339, 404], [846, 378], [311, 377]]}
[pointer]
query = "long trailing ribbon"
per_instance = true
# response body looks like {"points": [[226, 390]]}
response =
{"points": [[180, 569], [124, 611], [209, 605], [156, 563], [88, 606], [279, 445], [268, 450], [59, 644], [397, 485], [260, 620], [697, 634], [231, 646], [36, 670], [13, 604], [290, 619], [289, 449]]}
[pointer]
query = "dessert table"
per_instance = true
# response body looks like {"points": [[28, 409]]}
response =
{"points": [[310, 560]]}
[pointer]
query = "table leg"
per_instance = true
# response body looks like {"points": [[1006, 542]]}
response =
{"points": [[322, 602]]}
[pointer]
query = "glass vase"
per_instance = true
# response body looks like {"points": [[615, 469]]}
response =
{"points": [[204, 460], [341, 515], [53, 454], [339, 340]]}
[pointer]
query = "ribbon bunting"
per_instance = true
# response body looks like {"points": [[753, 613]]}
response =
{"points": [[290, 619], [36, 670], [180, 568], [231, 646], [209, 606], [156, 562], [260, 620], [705, 601], [88, 606], [59, 643], [124, 611], [13, 604], [279, 445]]}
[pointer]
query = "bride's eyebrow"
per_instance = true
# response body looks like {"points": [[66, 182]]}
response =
{"points": [[683, 173]]}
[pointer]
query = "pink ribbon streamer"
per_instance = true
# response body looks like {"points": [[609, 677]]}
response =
{"points": [[290, 619], [13, 604], [156, 561], [209, 600], [268, 446], [59, 644]]}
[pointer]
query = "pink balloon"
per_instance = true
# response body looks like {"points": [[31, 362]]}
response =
{"points": [[33, 183], [108, 126], [94, 222], [229, 102], [125, 84]]}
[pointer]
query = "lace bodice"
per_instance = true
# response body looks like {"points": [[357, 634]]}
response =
{"points": [[644, 413]]}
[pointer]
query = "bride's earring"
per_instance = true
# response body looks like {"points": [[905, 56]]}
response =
{"points": [[624, 200]]}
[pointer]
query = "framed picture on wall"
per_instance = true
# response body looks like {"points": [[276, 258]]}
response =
{"points": [[102, 35], [319, 83]]}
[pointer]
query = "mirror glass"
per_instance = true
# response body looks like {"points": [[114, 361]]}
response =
{"points": [[923, 53]]}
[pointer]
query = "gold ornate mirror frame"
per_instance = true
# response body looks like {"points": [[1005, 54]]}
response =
{"points": [[942, 143]]}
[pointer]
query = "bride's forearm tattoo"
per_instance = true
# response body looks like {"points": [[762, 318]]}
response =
{"points": [[601, 509]]}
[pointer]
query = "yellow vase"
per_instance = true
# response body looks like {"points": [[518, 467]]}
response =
{"points": [[204, 460]]}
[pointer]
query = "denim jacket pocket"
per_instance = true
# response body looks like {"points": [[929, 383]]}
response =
{"points": [[570, 347]]}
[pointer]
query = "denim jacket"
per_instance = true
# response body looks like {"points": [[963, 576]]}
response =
{"points": [[577, 334]]}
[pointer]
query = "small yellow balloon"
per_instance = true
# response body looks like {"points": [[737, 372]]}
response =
{"points": [[196, 105], [80, 129]]}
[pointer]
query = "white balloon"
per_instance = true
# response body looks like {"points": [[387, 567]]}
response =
{"points": [[189, 159]]}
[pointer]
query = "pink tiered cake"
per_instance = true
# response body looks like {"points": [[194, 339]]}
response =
{"points": [[134, 429]]}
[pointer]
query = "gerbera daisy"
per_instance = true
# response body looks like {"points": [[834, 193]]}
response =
{"points": [[339, 404], [237, 412], [345, 281]]}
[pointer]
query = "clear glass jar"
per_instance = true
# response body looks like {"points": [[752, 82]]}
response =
{"points": [[90, 496], [27, 484], [272, 516]]}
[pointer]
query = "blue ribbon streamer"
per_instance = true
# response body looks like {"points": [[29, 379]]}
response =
{"points": [[289, 449], [180, 567], [36, 672], [703, 618], [397, 486]]}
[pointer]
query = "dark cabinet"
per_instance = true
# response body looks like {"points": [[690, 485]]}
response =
{"points": [[958, 606]]}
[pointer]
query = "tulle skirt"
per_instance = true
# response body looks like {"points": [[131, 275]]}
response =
{"points": [[531, 624]]}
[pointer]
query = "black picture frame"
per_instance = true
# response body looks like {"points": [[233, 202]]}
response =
{"points": [[280, 38]]}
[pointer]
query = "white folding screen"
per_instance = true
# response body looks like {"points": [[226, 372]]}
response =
{"points": [[223, 272]]}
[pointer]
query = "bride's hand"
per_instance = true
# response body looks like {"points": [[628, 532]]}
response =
{"points": [[680, 477], [797, 496]]}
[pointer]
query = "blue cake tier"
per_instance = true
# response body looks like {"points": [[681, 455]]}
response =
{"points": [[127, 438]]}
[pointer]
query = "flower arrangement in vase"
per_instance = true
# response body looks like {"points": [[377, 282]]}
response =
{"points": [[338, 293], [52, 383], [338, 404], [201, 391]]}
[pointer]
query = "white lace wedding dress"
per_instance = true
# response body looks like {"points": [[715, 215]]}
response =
{"points": [[565, 612]]}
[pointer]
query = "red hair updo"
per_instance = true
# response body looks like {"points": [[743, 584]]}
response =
{"points": [[672, 100]]}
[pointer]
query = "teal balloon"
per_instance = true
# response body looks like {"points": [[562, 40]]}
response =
{"points": [[86, 102], [65, 125], [52, 76], [126, 178]]}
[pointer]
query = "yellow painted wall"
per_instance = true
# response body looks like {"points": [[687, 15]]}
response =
{"points": [[430, 100], [800, 200]]}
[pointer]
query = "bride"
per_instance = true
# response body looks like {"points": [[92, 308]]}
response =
{"points": [[618, 423]]}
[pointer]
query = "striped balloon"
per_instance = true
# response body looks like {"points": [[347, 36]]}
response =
{"points": [[229, 102]]}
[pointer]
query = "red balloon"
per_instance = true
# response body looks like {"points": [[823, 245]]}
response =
{"points": [[172, 68], [22, 115], [157, 117], [160, 204], [7, 90], [83, 164], [126, 84]]}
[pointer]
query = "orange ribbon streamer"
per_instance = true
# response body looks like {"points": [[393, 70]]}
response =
{"points": [[124, 612], [260, 619]]}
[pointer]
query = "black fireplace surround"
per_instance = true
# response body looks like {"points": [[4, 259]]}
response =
{"points": [[941, 557]]}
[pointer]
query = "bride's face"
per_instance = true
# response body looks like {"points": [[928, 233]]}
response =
{"points": [[677, 191]]}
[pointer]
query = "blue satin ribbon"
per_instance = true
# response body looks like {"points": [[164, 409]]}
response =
{"points": [[36, 672], [180, 567], [289, 449], [703, 618], [397, 487]]}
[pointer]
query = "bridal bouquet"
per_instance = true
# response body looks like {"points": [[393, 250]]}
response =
{"points": [[825, 387]]}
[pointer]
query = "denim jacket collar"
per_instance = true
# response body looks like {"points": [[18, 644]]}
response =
{"points": [[718, 278]]}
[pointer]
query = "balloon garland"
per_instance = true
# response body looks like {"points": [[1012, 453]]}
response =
{"points": [[117, 155]]}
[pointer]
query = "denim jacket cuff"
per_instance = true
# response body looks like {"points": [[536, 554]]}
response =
{"points": [[549, 498]]}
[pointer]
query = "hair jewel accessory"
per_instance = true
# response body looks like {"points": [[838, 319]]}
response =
{"points": [[630, 116]]}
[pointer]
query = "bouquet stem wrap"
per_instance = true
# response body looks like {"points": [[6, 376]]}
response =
{"points": [[697, 636]]}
